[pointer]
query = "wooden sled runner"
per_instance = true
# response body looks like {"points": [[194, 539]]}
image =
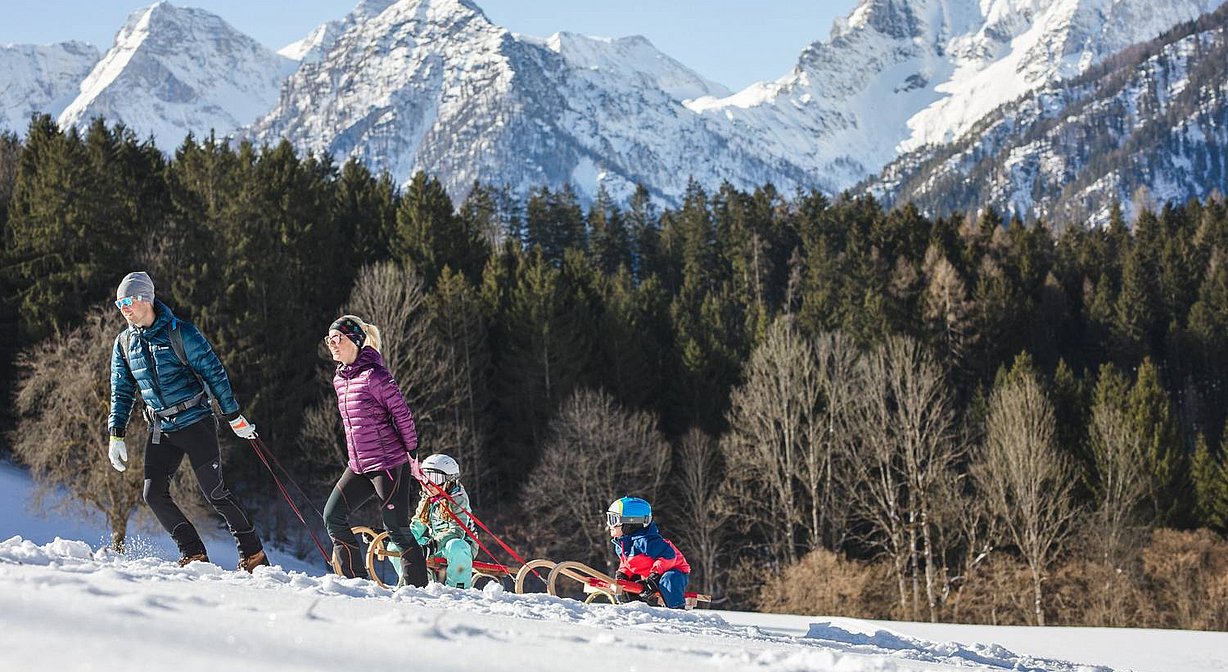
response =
{"points": [[381, 570], [559, 577]]}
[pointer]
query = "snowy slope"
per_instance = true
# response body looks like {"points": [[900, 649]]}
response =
{"points": [[146, 613], [898, 74], [177, 70], [44, 524], [149, 613], [40, 80]]}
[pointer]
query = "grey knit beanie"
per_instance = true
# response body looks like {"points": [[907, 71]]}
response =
{"points": [[136, 284]]}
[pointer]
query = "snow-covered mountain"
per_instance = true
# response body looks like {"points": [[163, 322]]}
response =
{"points": [[40, 80], [1152, 119], [176, 70], [311, 48], [899, 74], [434, 85]]}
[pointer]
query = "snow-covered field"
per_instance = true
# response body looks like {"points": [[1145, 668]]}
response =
{"points": [[70, 605]]}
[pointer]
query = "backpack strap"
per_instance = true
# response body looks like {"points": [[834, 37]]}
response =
{"points": [[176, 337], [125, 336]]}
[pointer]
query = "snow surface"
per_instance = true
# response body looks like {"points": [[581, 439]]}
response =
{"points": [[145, 613]]}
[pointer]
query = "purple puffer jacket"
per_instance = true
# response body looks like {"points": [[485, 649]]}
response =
{"points": [[379, 429]]}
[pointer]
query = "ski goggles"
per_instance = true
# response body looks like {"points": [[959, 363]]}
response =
{"points": [[434, 476], [129, 300], [615, 519]]}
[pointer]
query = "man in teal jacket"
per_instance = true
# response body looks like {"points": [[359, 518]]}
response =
{"points": [[174, 369]]}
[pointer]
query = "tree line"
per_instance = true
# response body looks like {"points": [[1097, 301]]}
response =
{"points": [[946, 416]]}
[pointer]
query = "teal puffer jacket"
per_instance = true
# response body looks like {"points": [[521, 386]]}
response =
{"points": [[162, 379]]}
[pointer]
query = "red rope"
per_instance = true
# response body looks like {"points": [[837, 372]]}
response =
{"points": [[431, 486], [260, 449]]}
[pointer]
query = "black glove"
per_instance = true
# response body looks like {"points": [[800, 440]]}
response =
{"points": [[621, 577], [651, 585]]}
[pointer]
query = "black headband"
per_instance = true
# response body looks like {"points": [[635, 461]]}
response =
{"points": [[351, 329]]}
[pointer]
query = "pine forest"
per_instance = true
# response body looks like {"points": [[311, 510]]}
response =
{"points": [[834, 407]]}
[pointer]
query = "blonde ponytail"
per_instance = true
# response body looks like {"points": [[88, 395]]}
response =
{"points": [[373, 336]]}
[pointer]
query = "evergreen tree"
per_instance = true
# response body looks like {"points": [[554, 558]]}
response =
{"points": [[1210, 480], [480, 212], [10, 159], [1134, 327], [366, 213], [460, 321], [644, 227], [554, 221], [430, 236], [73, 238], [1071, 409], [539, 359], [1151, 413], [609, 240]]}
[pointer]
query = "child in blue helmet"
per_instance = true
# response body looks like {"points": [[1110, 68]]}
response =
{"points": [[644, 556]]}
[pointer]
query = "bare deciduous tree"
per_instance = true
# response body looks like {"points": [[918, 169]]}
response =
{"points": [[837, 356], [902, 432], [774, 422], [1026, 482], [947, 304], [394, 299], [1121, 483], [62, 403], [597, 452], [705, 511]]}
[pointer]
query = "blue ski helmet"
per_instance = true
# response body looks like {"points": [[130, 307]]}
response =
{"points": [[629, 511]]}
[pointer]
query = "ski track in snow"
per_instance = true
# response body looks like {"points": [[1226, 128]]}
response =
{"points": [[99, 610]]}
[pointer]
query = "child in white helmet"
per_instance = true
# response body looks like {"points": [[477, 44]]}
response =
{"points": [[444, 528]]}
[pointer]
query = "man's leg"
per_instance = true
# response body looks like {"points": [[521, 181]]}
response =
{"points": [[199, 442], [161, 462], [395, 491], [673, 589], [350, 492]]}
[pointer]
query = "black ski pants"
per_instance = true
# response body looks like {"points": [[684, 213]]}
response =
{"points": [[395, 490], [199, 442]]}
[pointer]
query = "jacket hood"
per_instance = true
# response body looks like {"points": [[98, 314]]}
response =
{"points": [[367, 358]]}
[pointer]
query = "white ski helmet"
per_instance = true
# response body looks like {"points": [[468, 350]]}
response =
{"points": [[440, 469]]}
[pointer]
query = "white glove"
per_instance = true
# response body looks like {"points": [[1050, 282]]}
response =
{"points": [[242, 428], [118, 453]]}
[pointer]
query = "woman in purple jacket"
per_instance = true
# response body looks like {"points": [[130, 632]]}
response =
{"points": [[382, 446]]}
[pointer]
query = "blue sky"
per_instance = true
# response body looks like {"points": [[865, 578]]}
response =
{"points": [[735, 42]]}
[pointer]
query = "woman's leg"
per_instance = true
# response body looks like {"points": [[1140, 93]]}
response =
{"points": [[350, 492], [394, 488]]}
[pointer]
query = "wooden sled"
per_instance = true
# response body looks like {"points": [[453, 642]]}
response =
{"points": [[595, 585], [380, 568], [599, 585]]}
